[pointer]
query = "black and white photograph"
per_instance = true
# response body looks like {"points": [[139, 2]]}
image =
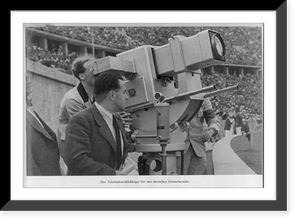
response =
{"points": [[148, 111], [144, 105]]}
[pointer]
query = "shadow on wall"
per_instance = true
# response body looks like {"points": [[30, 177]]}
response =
{"points": [[48, 88]]}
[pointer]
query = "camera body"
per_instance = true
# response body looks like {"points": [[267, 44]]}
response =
{"points": [[168, 74]]}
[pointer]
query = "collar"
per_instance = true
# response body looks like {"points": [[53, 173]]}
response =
{"points": [[30, 110], [105, 113], [83, 93]]}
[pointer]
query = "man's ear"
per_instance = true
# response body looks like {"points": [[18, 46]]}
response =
{"points": [[112, 94], [81, 76]]}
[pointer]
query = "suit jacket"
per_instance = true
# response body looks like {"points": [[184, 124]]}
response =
{"points": [[90, 147], [42, 152], [203, 120], [75, 100], [238, 120], [230, 125], [245, 128]]}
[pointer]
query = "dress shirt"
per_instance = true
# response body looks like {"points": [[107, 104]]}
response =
{"points": [[108, 117]]}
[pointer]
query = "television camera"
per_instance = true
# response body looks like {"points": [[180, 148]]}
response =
{"points": [[165, 92]]}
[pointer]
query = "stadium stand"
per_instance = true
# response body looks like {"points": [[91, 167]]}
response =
{"points": [[243, 46]]}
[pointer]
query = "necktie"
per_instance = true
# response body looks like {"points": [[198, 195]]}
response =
{"points": [[118, 140]]}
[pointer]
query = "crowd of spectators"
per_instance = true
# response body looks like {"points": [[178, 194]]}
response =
{"points": [[243, 46], [248, 97], [55, 59], [106, 36]]}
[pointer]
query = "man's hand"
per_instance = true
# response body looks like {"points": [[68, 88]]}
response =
{"points": [[209, 134], [119, 173], [184, 126], [126, 118]]}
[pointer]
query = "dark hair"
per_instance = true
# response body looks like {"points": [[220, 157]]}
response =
{"points": [[106, 82]]}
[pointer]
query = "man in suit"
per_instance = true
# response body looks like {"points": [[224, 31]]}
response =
{"points": [[229, 127], [96, 142], [202, 128], [246, 130], [42, 156], [238, 122], [76, 99]]}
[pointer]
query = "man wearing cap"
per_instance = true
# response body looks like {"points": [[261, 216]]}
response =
{"points": [[202, 128]]}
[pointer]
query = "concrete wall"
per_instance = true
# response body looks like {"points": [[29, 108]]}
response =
{"points": [[48, 87]]}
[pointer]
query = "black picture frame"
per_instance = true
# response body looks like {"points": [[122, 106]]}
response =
{"points": [[280, 204]]}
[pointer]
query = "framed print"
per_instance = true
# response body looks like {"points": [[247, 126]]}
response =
{"points": [[176, 111]]}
